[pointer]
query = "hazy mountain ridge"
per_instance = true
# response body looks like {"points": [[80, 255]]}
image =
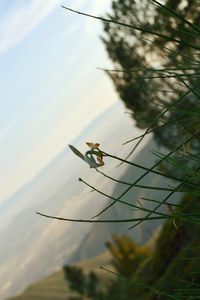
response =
{"points": [[54, 287], [30, 242], [93, 241], [85, 240]]}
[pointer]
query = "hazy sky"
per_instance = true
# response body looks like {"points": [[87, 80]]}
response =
{"points": [[50, 86]]}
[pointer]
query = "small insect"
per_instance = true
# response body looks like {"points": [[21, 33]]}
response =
{"points": [[93, 157]]}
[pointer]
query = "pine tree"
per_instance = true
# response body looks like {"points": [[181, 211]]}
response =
{"points": [[153, 65]]}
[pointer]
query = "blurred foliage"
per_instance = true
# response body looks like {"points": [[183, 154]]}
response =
{"points": [[155, 52], [76, 278], [152, 70], [127, 255], [175, 263], [86, 286], [171, 270]]}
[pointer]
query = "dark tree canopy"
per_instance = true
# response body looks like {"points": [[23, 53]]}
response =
{"points": [[155, 60]]}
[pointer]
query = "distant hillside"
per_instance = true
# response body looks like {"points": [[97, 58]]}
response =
{"points": [[54, 287], [172, 269], [25, 236], [26, 242], [93, 242]]}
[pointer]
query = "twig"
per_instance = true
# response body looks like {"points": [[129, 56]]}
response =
{"points": [[98, 221]]}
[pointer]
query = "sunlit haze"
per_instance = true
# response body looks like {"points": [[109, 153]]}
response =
{"points": [[51, 88]]}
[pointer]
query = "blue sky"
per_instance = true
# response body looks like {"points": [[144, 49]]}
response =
{"points": [[50, 86]]}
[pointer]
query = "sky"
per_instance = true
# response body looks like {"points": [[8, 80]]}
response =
{"points": [[50, 86]]}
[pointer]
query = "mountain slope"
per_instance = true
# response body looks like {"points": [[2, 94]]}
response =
{"points": [[54, 287]]}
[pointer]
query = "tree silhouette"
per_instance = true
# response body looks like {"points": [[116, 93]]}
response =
{"points": [[153, 66]]}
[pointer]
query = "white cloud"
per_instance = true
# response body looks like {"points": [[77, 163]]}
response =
{"points": [[19, 21]]}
